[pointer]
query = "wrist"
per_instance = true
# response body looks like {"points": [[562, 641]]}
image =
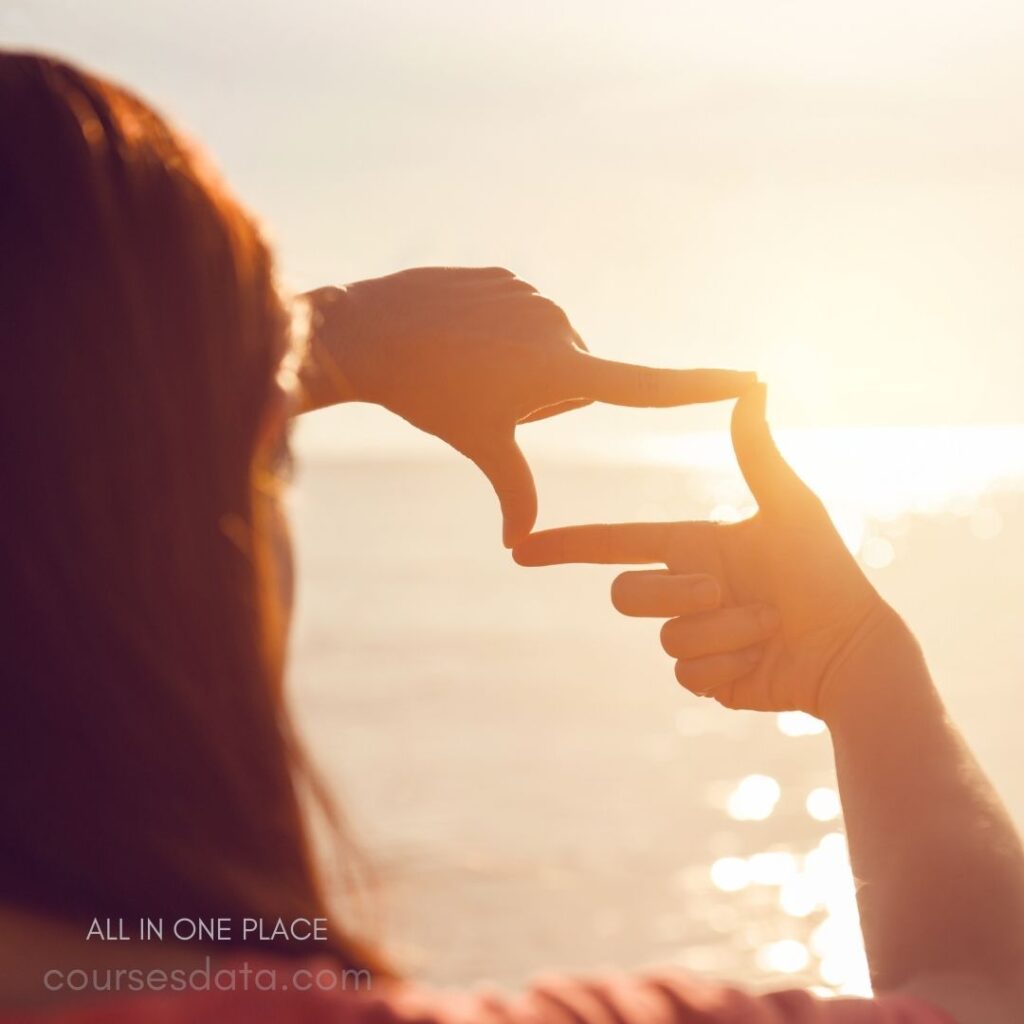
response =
{"points": [[880, 668], [323, 379]]}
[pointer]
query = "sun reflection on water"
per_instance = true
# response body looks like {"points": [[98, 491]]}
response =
{"points": [[798, 723], [876, 482], [754, 798], [823, 804], [816, 883], [787, 956], [871, 478]]}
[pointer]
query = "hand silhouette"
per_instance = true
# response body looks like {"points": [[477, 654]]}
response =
{"points": [[792, 601], [467, 354]]}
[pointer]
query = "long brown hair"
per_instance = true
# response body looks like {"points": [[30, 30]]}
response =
{"points": [[149, 765]]}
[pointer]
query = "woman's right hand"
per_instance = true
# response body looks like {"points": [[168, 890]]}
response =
{"points": [[938, 862], [792, 602]]}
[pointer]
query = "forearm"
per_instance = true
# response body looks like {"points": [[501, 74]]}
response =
{"points": [[938, 863]]}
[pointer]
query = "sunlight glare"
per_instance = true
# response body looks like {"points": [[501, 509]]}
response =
{"points": [[772, 867], [865, 474], [823, 804], [730, 874], [787, 956], [754, 798], [798, 723], [986, 524]]}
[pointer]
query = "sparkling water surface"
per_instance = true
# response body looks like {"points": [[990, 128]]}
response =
{"points": [[535, 790]]}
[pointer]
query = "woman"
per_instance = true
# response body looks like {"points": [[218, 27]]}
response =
{"points": [[152, 772]]}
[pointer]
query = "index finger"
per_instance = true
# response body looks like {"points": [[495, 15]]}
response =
{"points": [[600, 543], [606, 380]]}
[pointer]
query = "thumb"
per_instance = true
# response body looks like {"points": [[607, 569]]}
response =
{"points": [[770, 478], [504, 464]]}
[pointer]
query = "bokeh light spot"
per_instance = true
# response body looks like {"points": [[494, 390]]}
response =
{"points": [[754, 798], [730, 874], [823, 804], [784, 957], [798, 723]]}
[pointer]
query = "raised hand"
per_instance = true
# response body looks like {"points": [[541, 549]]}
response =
{"points": [[467, 354], [790, 602]]}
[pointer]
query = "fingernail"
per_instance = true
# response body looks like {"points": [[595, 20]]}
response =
{"points": [[768, 617]]}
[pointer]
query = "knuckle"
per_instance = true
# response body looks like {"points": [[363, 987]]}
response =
{"points": [[726, 696], [703, 593], [745, 625], [549, 309]]}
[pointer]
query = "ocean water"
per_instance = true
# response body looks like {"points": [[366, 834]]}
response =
{"points": [[535, 790]]}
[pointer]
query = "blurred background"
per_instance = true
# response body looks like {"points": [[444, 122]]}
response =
{"points": [[831, 194]]}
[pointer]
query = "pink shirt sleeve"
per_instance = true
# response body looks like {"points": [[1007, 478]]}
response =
{"points": [[675, 998], [665, 998]]}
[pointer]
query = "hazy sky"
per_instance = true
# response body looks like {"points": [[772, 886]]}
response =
{"points": [[829, 192]]}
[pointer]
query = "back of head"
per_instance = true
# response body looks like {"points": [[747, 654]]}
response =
{"points": [[148, 762]]}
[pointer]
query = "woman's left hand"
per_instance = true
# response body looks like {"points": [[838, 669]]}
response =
{"points": [[467, 354]]}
